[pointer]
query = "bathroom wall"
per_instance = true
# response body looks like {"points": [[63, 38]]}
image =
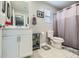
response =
{"points": [[41, 26], [2, 15]]}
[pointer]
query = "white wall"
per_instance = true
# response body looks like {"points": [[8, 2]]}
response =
{"points": [[2, 15], [41, 26]]}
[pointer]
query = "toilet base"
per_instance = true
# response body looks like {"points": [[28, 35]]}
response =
{"points": [[57, 45]]}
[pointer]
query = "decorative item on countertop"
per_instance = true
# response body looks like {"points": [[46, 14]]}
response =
{"points": [[7, 23], [34, 20]]}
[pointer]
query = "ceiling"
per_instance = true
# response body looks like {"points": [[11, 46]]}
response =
{"points": [[23, 6], [60, 4], [20, 6]]}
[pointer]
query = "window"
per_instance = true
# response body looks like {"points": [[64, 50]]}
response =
{"points": [[47, 16]]}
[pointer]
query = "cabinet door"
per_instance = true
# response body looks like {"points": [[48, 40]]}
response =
{"points": [[0, 46], [10, 47], [0, 43], [26, 45]]}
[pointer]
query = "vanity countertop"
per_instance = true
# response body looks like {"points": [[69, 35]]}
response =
{"points": [[14, 27]]}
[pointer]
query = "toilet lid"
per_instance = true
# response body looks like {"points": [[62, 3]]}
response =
{"points": [[57, 39]]}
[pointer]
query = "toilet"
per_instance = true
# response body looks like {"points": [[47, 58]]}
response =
{"points": [[55, 41]]}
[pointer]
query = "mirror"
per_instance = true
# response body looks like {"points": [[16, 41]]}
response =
{"points": [[20, 13], [19, 20]]}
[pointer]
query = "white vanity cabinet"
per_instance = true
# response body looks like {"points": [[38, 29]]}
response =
{"points": [[0, 43], [17, 42]]}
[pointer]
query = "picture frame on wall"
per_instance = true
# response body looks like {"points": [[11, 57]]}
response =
{"points": [[40, 14], [3, 6]]}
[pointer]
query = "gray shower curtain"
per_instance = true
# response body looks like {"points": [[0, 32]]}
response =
{"points": [[77, 17], [71, 27], [60, 23], [55, 24], [68, 25]]}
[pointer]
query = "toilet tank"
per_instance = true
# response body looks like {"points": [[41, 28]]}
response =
{"points": [[50, 34]]}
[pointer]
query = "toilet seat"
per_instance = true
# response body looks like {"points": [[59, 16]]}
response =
{"points": [[58, 40]]}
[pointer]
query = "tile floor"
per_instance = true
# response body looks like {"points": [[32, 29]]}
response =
{"points": [[71, 50], [55, 53]]}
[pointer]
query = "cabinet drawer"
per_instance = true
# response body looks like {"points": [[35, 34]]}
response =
{"points": [[24, 31], [9, 32], [16, 32], [27, 36]]}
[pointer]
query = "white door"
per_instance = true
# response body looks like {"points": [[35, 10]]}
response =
{"points": [[10, 47], [26, 45]]}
